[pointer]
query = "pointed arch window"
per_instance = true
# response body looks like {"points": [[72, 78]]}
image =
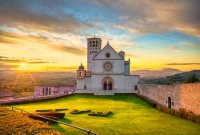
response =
{"points": [[110, 85], [105, 85]]}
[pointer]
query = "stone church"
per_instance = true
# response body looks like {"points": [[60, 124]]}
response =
{"points": [[107, 71]]}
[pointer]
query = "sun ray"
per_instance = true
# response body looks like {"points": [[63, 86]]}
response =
{"points": [[17, 78]]}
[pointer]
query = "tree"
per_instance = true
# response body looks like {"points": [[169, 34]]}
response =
{"points": [[192, 78]]}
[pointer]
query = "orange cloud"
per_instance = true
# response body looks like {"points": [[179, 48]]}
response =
{"points": [[177, 49], [189, 44]]}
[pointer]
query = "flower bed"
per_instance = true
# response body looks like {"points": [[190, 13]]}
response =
{"points": [[61, 109], [43, 119], [99, 113], [52, 110], [43, 110], [75, 111], [54, 114]]}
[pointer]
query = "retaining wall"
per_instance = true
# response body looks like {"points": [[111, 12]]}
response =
{"points": [[186, 96], [33, 99]]}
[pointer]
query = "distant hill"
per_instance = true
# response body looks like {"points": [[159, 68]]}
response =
{"points": [[149, 74], [176, 78]]}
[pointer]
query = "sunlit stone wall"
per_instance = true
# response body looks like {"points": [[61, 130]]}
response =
{"points": [[185, 96]]}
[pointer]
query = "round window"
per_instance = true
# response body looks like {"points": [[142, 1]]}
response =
{"points": [[108, 55], [107, 66]]}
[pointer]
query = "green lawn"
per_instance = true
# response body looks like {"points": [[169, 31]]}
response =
{"points": [[130, 116]]}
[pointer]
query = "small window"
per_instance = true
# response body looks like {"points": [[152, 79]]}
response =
{"points": [[93, 43], [90, 43], [135, 87], [108, 55], [85, 87], [96, 43], [80, 74]]}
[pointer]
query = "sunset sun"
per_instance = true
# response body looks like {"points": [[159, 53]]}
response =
{"points": [[23, 64]]}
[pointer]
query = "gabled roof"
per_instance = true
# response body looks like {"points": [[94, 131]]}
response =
{"points": [[108, 49]]}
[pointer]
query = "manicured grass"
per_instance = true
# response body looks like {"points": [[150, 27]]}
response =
{"points": [[130, 115]]}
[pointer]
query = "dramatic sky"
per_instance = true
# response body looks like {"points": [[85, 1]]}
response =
{"points": [[52, 35]]}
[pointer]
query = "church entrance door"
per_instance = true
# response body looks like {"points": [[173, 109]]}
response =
{"points": [[110, 86], [105, 86], [107, 83]]}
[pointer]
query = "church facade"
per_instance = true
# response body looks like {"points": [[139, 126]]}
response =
{"points": [[107, 71]]}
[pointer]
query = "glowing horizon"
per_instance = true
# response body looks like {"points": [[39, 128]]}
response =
{"points": [[52, 35]]}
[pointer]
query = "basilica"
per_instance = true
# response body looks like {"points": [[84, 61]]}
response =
{"points": [[107, 73]]}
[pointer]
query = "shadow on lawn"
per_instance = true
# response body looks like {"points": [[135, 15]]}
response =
{"points": [[134, 99], [58, 127], [65, 120], [110, 115]]}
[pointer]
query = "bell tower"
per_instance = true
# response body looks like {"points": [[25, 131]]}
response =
{"points": [[93, 48]]}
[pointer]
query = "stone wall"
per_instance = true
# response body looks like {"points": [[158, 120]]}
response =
{"points": [[190, 97], [186, 96]]}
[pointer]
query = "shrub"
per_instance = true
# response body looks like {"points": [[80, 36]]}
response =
{"points": [[51, 110], [75, 111], [43, 110], [43, 119], [61, 109], [99, 113], [181, 113], [192, 78], [197, 119], [54, 114]]}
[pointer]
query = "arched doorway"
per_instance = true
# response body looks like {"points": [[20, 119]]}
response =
{"points": [[136, 87], [107, 83], [110, 85], [169, 102]]}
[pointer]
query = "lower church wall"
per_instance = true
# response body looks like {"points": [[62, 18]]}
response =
{"points": [[130, 82], [96, 81], [80, 84], [186, 96]]}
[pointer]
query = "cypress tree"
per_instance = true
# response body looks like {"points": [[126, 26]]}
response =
{"points": [[192, 78]]}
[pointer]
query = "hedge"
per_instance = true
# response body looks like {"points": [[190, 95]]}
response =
{"points": [[99, 113], [43, 119], [43, 110], [52, 110], [75, 111], [54, 114], [181, 113], [61, 109]]}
